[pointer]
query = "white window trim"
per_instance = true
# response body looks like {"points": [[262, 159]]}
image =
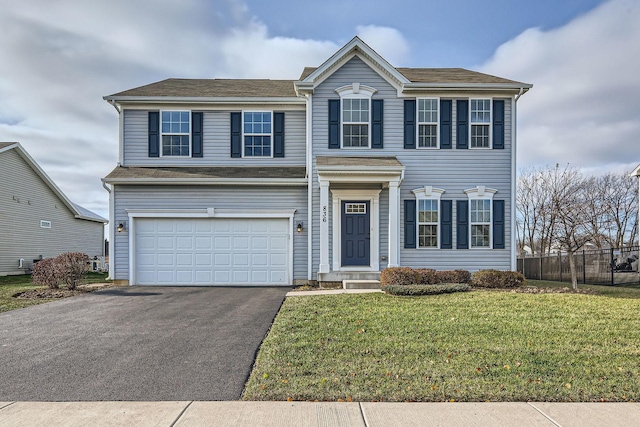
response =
{"points": [[428, 193], [489, 125], [481, 192], [355, 91], [257, 134], [172, 133], [418, 123]]}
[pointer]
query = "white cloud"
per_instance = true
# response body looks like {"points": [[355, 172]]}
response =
{"points": [[58, 59], [388, 42], [583, 108]]}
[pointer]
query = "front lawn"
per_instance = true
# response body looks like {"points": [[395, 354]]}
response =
{"points": [[476, 346], [11, 285]]}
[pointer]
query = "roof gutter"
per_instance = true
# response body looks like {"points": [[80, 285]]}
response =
{"points": [[114, 104], [289, 182], [205, 99]]}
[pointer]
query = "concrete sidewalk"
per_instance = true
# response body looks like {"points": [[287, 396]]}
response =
{"points": [[299, 414]]}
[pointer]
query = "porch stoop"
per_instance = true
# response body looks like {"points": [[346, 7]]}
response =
{"points": [[361, 284]]}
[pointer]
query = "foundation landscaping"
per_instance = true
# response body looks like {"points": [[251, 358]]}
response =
{"points": [[489, 336]]}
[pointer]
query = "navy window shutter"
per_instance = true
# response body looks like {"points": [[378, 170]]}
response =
{"points": [[498, 124], [410, 123], [462, 224], [377, 115], [462, 137], [278, 134], [196, 134], [498, 224], [446, 224], [410, 225], [445, 123], [236, 134], [334, 123], [154, 134]]}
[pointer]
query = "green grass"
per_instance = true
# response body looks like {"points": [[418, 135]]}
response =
{"points": [[10, 285], [628, 291], [475, 346]]}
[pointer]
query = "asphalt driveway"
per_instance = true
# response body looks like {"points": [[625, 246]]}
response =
{"points": [[137, 343]]}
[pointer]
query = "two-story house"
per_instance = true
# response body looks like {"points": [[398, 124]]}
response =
{"points": [[355, 167]]}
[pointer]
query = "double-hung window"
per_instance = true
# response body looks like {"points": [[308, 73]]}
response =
{"points": [[427, 123], [428, 223], [257, 133], [355, 122], [176, 127], [480, 210], [480, 123]]}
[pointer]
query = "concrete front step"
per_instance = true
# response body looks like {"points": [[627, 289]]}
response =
{"points": [[339, 276], [361, 284]]}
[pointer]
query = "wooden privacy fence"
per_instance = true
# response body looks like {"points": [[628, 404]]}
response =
{"points": [[615, 266]]}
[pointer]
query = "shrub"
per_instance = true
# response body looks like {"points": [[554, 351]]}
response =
{"points": [[418, 290], [426, 276], [71, 268], [453, 276], [45, 274], [399, 276], [497, 279]]}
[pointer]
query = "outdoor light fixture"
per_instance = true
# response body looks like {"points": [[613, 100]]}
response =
{"points": [[299, 227], [120, 227]]}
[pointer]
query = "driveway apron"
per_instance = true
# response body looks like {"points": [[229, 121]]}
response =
{"points": [[136, 343]]}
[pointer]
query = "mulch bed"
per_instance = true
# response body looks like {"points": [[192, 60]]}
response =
{"points": [[48, 293], [536, 290]]}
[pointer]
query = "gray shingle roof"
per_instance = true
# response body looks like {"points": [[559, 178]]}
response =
{"points": [[232, 172], [88, 214], [438, 75], [368, 161], [214, 88], [6, 144]]}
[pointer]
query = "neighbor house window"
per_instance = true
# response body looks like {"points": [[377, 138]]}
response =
{"points": [[480, 220], [176, 127], [428, 223], [257, 133], [355, 122], [427, 123], [45, 224], [480, 123]]}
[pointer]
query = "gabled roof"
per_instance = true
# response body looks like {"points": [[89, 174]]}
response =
{"points": [[78, 211], [288, 91], [636, 171]]}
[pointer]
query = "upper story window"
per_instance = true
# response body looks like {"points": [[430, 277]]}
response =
{"points": [[355, 122], [480, 123], [428, 123], [257, 133], [176, 127]]}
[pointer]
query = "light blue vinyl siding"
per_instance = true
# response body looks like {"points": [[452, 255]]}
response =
{"points": [[202, 197], [216, 142], [449, 169]]}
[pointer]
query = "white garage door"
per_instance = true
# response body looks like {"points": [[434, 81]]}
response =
{"points": [[204, 251]]}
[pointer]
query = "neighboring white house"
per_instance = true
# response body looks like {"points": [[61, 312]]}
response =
{"points": [[636, 172], [36, 219], [352, 168]]}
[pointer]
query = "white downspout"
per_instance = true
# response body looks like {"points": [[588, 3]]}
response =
{"points": [[112, 233], [514, 237], [309, 175]]}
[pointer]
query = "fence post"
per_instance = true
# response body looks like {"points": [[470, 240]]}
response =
{"points": [[560, 265], [611, 265], [540, 273], [584, 268]]}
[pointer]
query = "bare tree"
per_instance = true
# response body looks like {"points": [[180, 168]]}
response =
{"points": [[571, 200]]}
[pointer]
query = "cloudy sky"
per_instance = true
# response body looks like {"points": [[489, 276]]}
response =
{"points": [[58, 59]]}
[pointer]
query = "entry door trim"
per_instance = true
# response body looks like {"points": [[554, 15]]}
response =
{"points": [[359, 210], [373, 196]]}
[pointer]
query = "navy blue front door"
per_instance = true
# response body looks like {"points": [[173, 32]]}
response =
{"points": [[355, 233]]}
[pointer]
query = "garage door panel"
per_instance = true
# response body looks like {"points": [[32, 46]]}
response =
{"points": [[212, 251]]}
